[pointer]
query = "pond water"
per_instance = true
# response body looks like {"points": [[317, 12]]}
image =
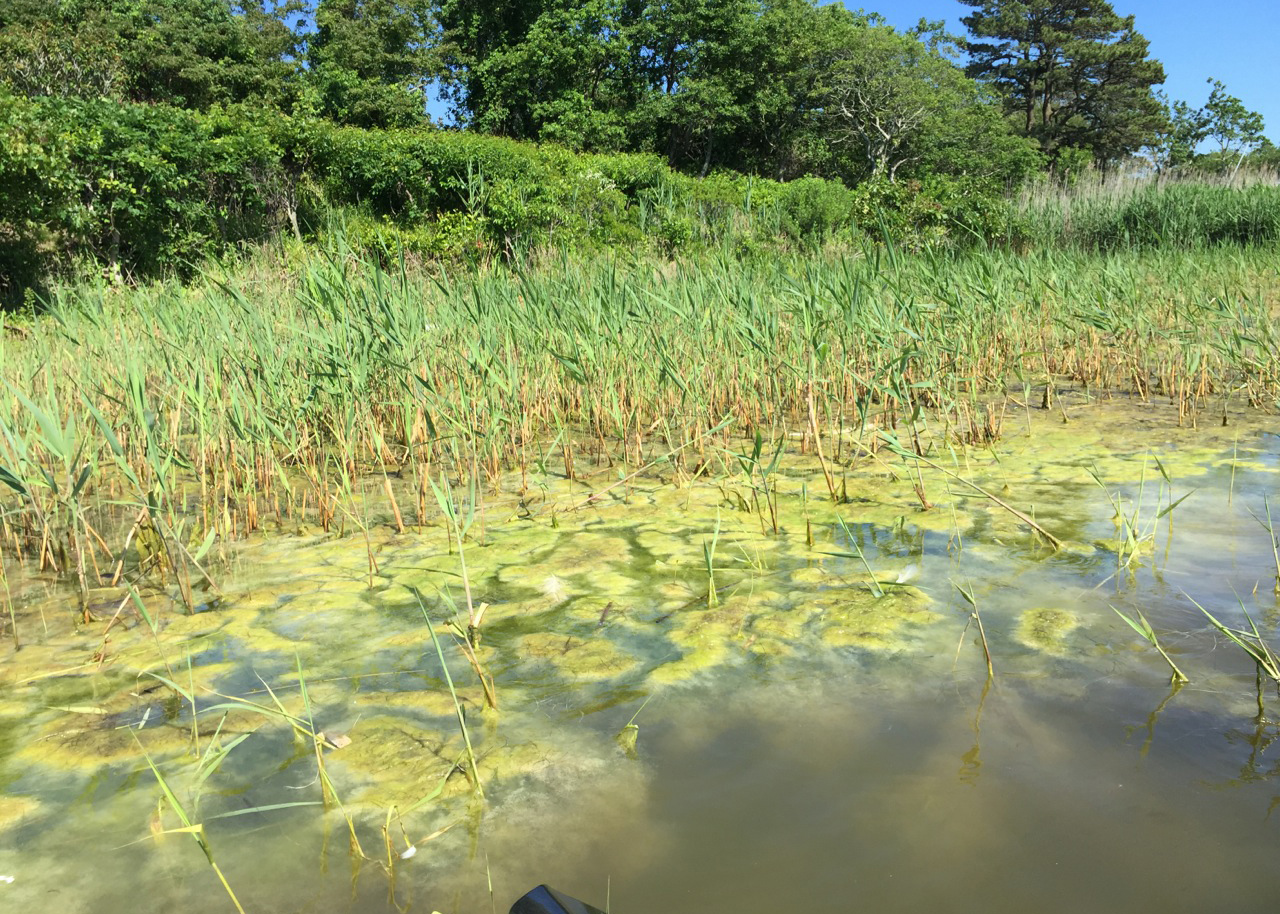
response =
{"points": [[824, 736]]}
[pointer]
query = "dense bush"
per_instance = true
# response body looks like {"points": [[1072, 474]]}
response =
{"points": [[138, 189], [144, 190]]}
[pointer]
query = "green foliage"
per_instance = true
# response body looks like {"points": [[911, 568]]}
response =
{"points": [[781, 88], [371, 60], [813, 210], [137, 188], [148, 190], [1265, 156], [1230, 124], [1224, 119], [188, 53], [1071, 75], [538, 70]]}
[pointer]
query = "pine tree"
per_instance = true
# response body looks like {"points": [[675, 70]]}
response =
{"points": [[1072, 73]]}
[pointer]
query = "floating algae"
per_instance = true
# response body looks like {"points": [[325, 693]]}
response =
{"points": [[393, 761], [586, 619], [579, 658], [859, 618], [1046, 630], [587, 551], [437, 703], [777, 632], [705, 639], [89, 738]]}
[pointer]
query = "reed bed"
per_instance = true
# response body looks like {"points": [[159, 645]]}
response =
{"points": [[1130, 210], [338, 392]]}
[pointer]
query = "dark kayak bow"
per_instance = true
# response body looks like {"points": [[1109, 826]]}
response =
{"points": [[546, 900]]}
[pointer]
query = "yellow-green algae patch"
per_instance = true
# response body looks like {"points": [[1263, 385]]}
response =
{"points": [[786, 624], [436, 702], [1046, 630], [396, 762], [859, 618], [776, 632], [580, 658], [633, 573], [604, 581], [705, 638], [13, 810], [661, 543], [815, 574], [83, 742], [608, 611], [252, 628], [696, 658], [677, 594], [587, 552]]}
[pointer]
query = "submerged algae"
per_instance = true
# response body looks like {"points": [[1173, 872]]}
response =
{"points": [[14, 810], [578, 658], [393, 761], [396, 762], [609, 602], [1046, 630], [861, 618], [91, 742]]}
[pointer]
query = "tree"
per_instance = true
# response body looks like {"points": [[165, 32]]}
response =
{"points": [[1186, 128], [1234, 127], [677, 77], [1072, 74], [553, 70], [371, 61], [186, 53], [778, 87], [198, 53], [899, 107], [1223, 119], [1265, 156], [883, 89], [696, 62], [46, 51]]}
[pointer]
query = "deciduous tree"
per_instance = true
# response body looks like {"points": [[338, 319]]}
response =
{"points": [[372, 61], [186, 53]]}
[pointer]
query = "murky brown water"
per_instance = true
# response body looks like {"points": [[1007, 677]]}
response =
{"points": [[805, 744]]}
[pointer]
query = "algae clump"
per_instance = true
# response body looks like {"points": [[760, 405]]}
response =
{"points": [[14, 810], [861, 619], [1046, 630], [582, 658]]}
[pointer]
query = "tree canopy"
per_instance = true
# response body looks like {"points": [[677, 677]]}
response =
{"points": [[1234, 130], [1072, 74], [781, 88], [775, 87]]}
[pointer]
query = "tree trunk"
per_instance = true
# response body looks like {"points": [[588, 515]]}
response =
{"points": [[706, 158]]}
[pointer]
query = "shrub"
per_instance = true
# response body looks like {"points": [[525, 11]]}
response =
{"points": [[813, 210]]}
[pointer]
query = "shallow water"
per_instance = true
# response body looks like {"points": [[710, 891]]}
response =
{"points": [[805, 742]]}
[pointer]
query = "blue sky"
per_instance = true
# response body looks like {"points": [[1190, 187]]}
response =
{"points": [[1235, 41]]}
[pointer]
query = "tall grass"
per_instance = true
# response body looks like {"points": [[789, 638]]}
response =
{"points": [[1127, 210], [335, 391]]}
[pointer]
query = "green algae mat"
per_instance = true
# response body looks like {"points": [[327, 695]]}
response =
{"points": [[670, 674]]}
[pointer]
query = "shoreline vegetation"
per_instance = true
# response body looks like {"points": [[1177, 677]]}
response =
{"points": [[134, 194], [729, 269], [293, 385]]}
